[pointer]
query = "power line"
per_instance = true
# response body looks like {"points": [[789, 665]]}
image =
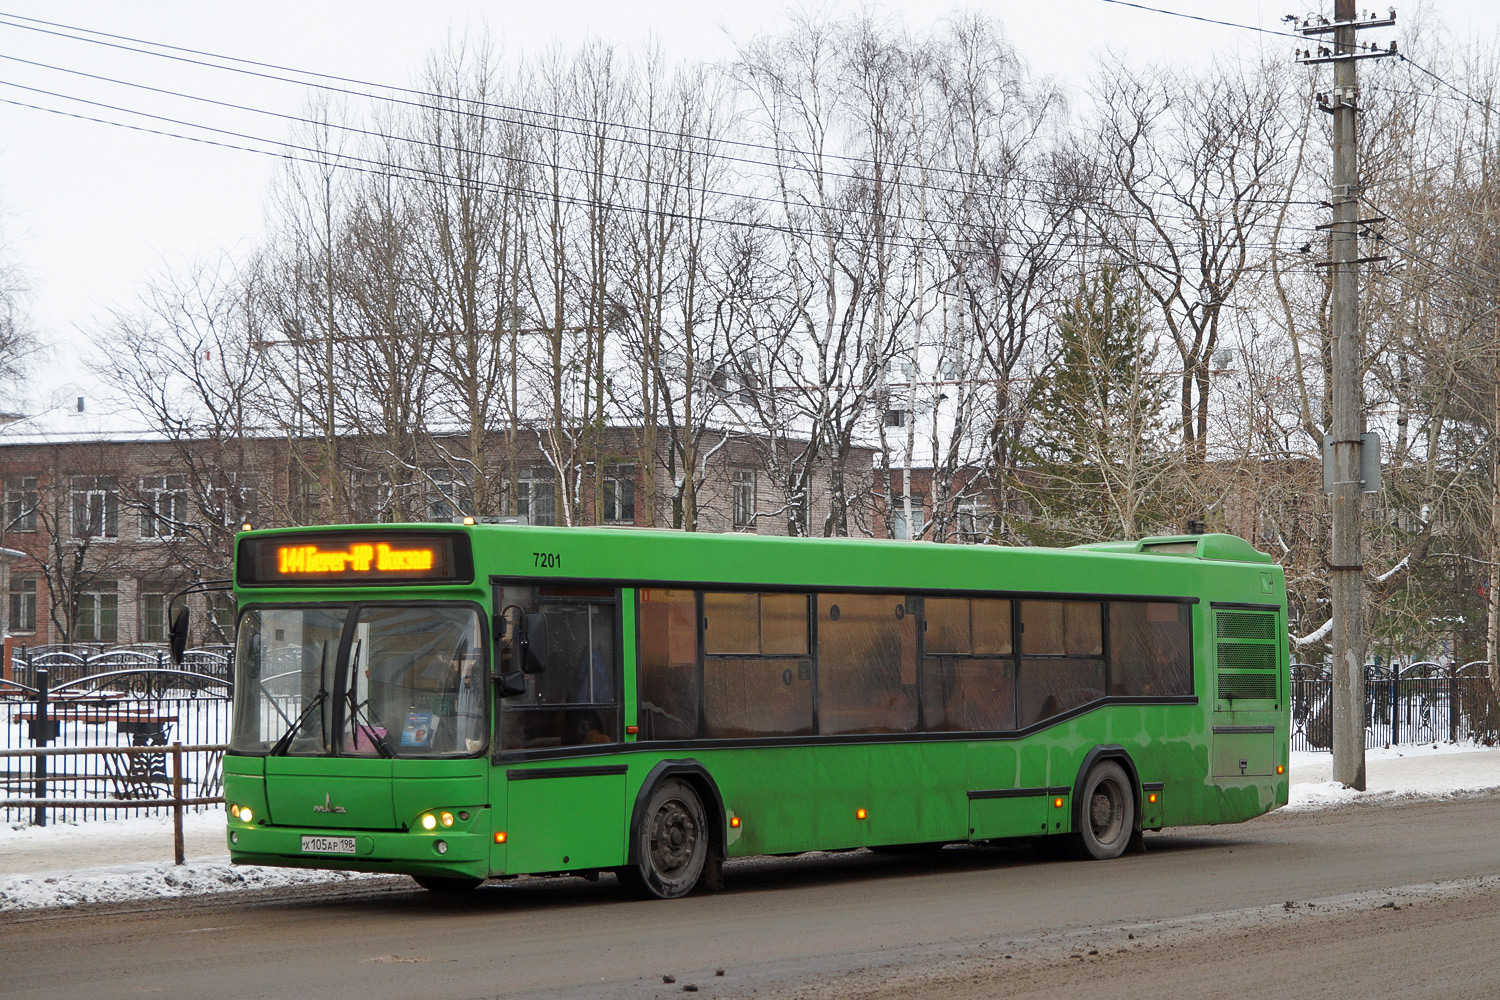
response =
{"points": [[1054, 253], [777, 150], [1206, 20], [320, 156]]}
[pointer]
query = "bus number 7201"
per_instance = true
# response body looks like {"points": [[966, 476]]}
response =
{"points": [[546, 560]]}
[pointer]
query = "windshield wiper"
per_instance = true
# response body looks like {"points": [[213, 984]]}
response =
{"points": [[283, 744], [371, 733]]}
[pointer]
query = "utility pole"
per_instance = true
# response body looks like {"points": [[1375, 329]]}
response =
{"points": [[1345, 562]]}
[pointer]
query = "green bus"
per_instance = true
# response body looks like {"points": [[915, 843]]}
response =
{"points": [[464, 702]]}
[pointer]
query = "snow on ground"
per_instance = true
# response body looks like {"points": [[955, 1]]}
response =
{"points": [[1399, 773], [73, 864], [70, 864]]}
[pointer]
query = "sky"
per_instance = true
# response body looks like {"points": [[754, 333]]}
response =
{"points": [[91, 212]]}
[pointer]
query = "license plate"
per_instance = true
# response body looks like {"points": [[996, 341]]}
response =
{"points": [[328, 845]]}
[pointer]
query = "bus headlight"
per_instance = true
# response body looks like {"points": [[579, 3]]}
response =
{"points": [[245, 814], [429, 821]]}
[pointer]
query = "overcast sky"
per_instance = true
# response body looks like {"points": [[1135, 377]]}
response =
{"points": [[91, 210]]}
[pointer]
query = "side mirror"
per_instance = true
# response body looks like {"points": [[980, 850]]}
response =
{"points": [[534, 643], [510, 684], [178, 636]]}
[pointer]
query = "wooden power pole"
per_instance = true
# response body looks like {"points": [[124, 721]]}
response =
{"points": [[1344, 435]]}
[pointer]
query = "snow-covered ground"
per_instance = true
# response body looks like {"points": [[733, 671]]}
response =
{"points": [[70, 865]]}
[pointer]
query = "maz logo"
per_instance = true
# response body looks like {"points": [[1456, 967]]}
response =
{"points": [[328, 806]]}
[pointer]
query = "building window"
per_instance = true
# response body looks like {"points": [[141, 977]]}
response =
{"points": [[974, 523], [153, 616], [536, 497], [619, 494], [98, 614], [164, 506], [21, 500], [899, 527], [22, 605], [744, 498], [374, 498], [96, 507], [448, 496]]}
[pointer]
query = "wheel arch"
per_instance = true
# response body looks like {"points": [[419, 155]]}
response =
{"points": [[1105, 751], [695, 775]]}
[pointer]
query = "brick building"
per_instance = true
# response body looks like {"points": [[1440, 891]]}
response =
{"points": [[107, 524]]}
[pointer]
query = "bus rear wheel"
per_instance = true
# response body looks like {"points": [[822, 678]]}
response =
{"points": [[671, 845], [1107, 813], [447, 884]]}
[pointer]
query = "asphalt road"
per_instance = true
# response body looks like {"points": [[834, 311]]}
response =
{"points": [[1361, 901]]}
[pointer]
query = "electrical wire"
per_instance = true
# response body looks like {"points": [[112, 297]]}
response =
{"points": [[190, 53]]}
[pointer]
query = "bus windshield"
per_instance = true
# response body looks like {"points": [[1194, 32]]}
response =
{"points": [[366, 681]]}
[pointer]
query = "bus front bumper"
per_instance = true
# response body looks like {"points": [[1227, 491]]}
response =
{"points": [[450, 852]]}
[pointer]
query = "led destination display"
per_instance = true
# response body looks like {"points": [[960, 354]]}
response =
{"points": [[328, 559]]}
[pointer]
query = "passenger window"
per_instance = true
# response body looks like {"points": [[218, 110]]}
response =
{"points": [[947, 626], [969, 694], [783, 624], [1051, 687], [573, 701], [757, 675], [731, 623], [1150, 648], [1061, 628], [867, 669], [991, 628], [758, 696], [668, 664]]}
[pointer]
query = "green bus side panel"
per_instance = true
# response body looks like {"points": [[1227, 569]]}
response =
{"points": [[555, 824], [1022, 816]]}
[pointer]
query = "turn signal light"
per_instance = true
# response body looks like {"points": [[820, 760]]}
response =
{"points": [[234, 810], [1057, 802], [734, 821], [447, 819], [500, 837], [859, 814]]}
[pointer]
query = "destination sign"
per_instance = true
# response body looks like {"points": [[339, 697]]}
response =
{"points": [[345, 558]]}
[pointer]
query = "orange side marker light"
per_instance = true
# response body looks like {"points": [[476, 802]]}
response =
{"points": [[1280, 769], [1057, 802], [734, 821], [1151, 797], [859, 814], [500, 837]]}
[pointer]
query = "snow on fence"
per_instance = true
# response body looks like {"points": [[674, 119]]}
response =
{"points": [[112, 718], [1421, 702]]}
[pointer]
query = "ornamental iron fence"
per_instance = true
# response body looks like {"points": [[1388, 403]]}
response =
{"points": [[1422, 702], [95, 738]]}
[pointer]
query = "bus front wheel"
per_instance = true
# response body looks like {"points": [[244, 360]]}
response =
{"points": [[671, 844], [1107, 813]]}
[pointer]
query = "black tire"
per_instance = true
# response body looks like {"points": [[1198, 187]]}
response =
{"points": [[1106, 811], [446, 884], [671, 846]]}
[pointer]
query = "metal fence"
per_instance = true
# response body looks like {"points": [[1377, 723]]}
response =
{"points": [[1418, 703], [123, 703]]}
